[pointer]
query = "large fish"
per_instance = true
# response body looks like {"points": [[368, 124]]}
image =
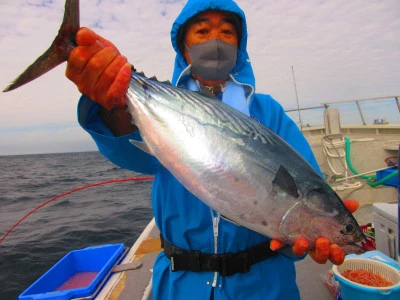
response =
{"points": [[233, 163]]}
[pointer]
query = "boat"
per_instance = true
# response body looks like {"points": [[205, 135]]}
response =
{"points": [[371, 146]]}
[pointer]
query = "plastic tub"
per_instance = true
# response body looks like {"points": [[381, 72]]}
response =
{"points": [[353, 290], [77, 274]]}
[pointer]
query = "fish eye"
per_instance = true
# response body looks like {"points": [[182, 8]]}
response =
{"points": [[349, 229]]}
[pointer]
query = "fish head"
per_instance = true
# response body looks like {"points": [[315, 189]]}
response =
{"points": [[327, 216]]}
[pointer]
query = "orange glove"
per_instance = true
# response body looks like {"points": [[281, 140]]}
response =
{"points": [[98, 69], [323, 249]]}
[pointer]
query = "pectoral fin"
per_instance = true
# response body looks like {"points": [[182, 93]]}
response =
{"points": [[142, 146], [285, 182]]}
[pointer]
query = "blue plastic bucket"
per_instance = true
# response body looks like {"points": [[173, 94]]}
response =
{"points": [[351, 290]]}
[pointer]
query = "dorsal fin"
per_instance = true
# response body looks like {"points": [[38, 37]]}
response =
{"points": [[153, 78], [285, 182]]}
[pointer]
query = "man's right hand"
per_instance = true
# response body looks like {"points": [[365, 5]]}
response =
{"points": [[99, 70]]}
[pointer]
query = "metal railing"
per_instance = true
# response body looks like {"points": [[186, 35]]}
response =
{"points": [[357, 102]]}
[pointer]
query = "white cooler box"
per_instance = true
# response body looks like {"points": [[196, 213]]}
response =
{"points": [[385, 216]]}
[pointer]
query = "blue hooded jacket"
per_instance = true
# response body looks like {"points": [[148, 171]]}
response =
{"points": [[184, 220]]}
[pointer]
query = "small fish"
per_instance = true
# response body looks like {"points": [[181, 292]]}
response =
{"points": [[230, 161]]}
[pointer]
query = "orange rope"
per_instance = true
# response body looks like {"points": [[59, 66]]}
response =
{"points": [[70, 192]]}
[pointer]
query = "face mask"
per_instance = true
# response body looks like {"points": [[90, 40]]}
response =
{"points": [[213, 59]]}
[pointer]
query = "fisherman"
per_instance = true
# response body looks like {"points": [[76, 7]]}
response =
{"points": [[213, 258]]}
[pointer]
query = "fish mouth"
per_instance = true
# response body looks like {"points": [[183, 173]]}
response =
{"points": [[353, 248]]}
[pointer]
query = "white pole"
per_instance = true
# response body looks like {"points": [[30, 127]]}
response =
{"points": [[297, 98]]}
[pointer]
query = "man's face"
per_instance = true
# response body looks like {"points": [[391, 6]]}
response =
{"points": [[211, 24]]}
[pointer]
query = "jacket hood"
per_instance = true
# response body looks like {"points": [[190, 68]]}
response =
{"points": [[243, 71]]}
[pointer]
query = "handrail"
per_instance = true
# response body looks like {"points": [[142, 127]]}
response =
{"points": [[365, 99], [356, 101], [305, 108]]}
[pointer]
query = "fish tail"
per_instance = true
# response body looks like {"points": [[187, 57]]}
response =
{"points": [[58, 51]]}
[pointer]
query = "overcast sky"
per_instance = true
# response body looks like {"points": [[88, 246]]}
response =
{"points": [[340, 50]]}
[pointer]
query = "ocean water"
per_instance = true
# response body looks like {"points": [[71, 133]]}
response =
{"points": [[114, 213]]}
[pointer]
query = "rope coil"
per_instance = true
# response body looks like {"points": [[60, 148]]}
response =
{"points": [[334, 147]]}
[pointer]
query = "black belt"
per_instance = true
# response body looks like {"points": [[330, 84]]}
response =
{"points": [[226, 264]]}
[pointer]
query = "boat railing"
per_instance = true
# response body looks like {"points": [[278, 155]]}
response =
{"points": [[339, 132], [368, 111]]}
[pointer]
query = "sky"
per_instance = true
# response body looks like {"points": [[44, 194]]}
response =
{"points": [[340, 50]]}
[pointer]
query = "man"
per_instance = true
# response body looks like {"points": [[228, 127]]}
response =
{"points": [[209, 37]]}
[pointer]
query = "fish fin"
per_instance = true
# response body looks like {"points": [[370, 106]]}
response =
{"points": [[142, 146], [229, 220], [154, 78], [58, 51], [285, 181]]}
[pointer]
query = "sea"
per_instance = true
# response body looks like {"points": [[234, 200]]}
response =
{"points": [[79, 218]]}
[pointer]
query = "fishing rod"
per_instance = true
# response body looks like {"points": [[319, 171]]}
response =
{"points": [[70, 192]]}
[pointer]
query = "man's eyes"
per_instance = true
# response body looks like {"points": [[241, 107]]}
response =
{"points": [[224, 31], [202, 31], [228, 31]]}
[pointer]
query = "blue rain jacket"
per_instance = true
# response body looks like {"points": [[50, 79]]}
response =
{"points": [[183, 219]]}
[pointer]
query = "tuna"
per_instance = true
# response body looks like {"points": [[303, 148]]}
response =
{"points": [[234, 164]]}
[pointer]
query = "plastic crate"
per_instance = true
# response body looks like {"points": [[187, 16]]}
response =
{"points": [[383, 173], [94, 260]]}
